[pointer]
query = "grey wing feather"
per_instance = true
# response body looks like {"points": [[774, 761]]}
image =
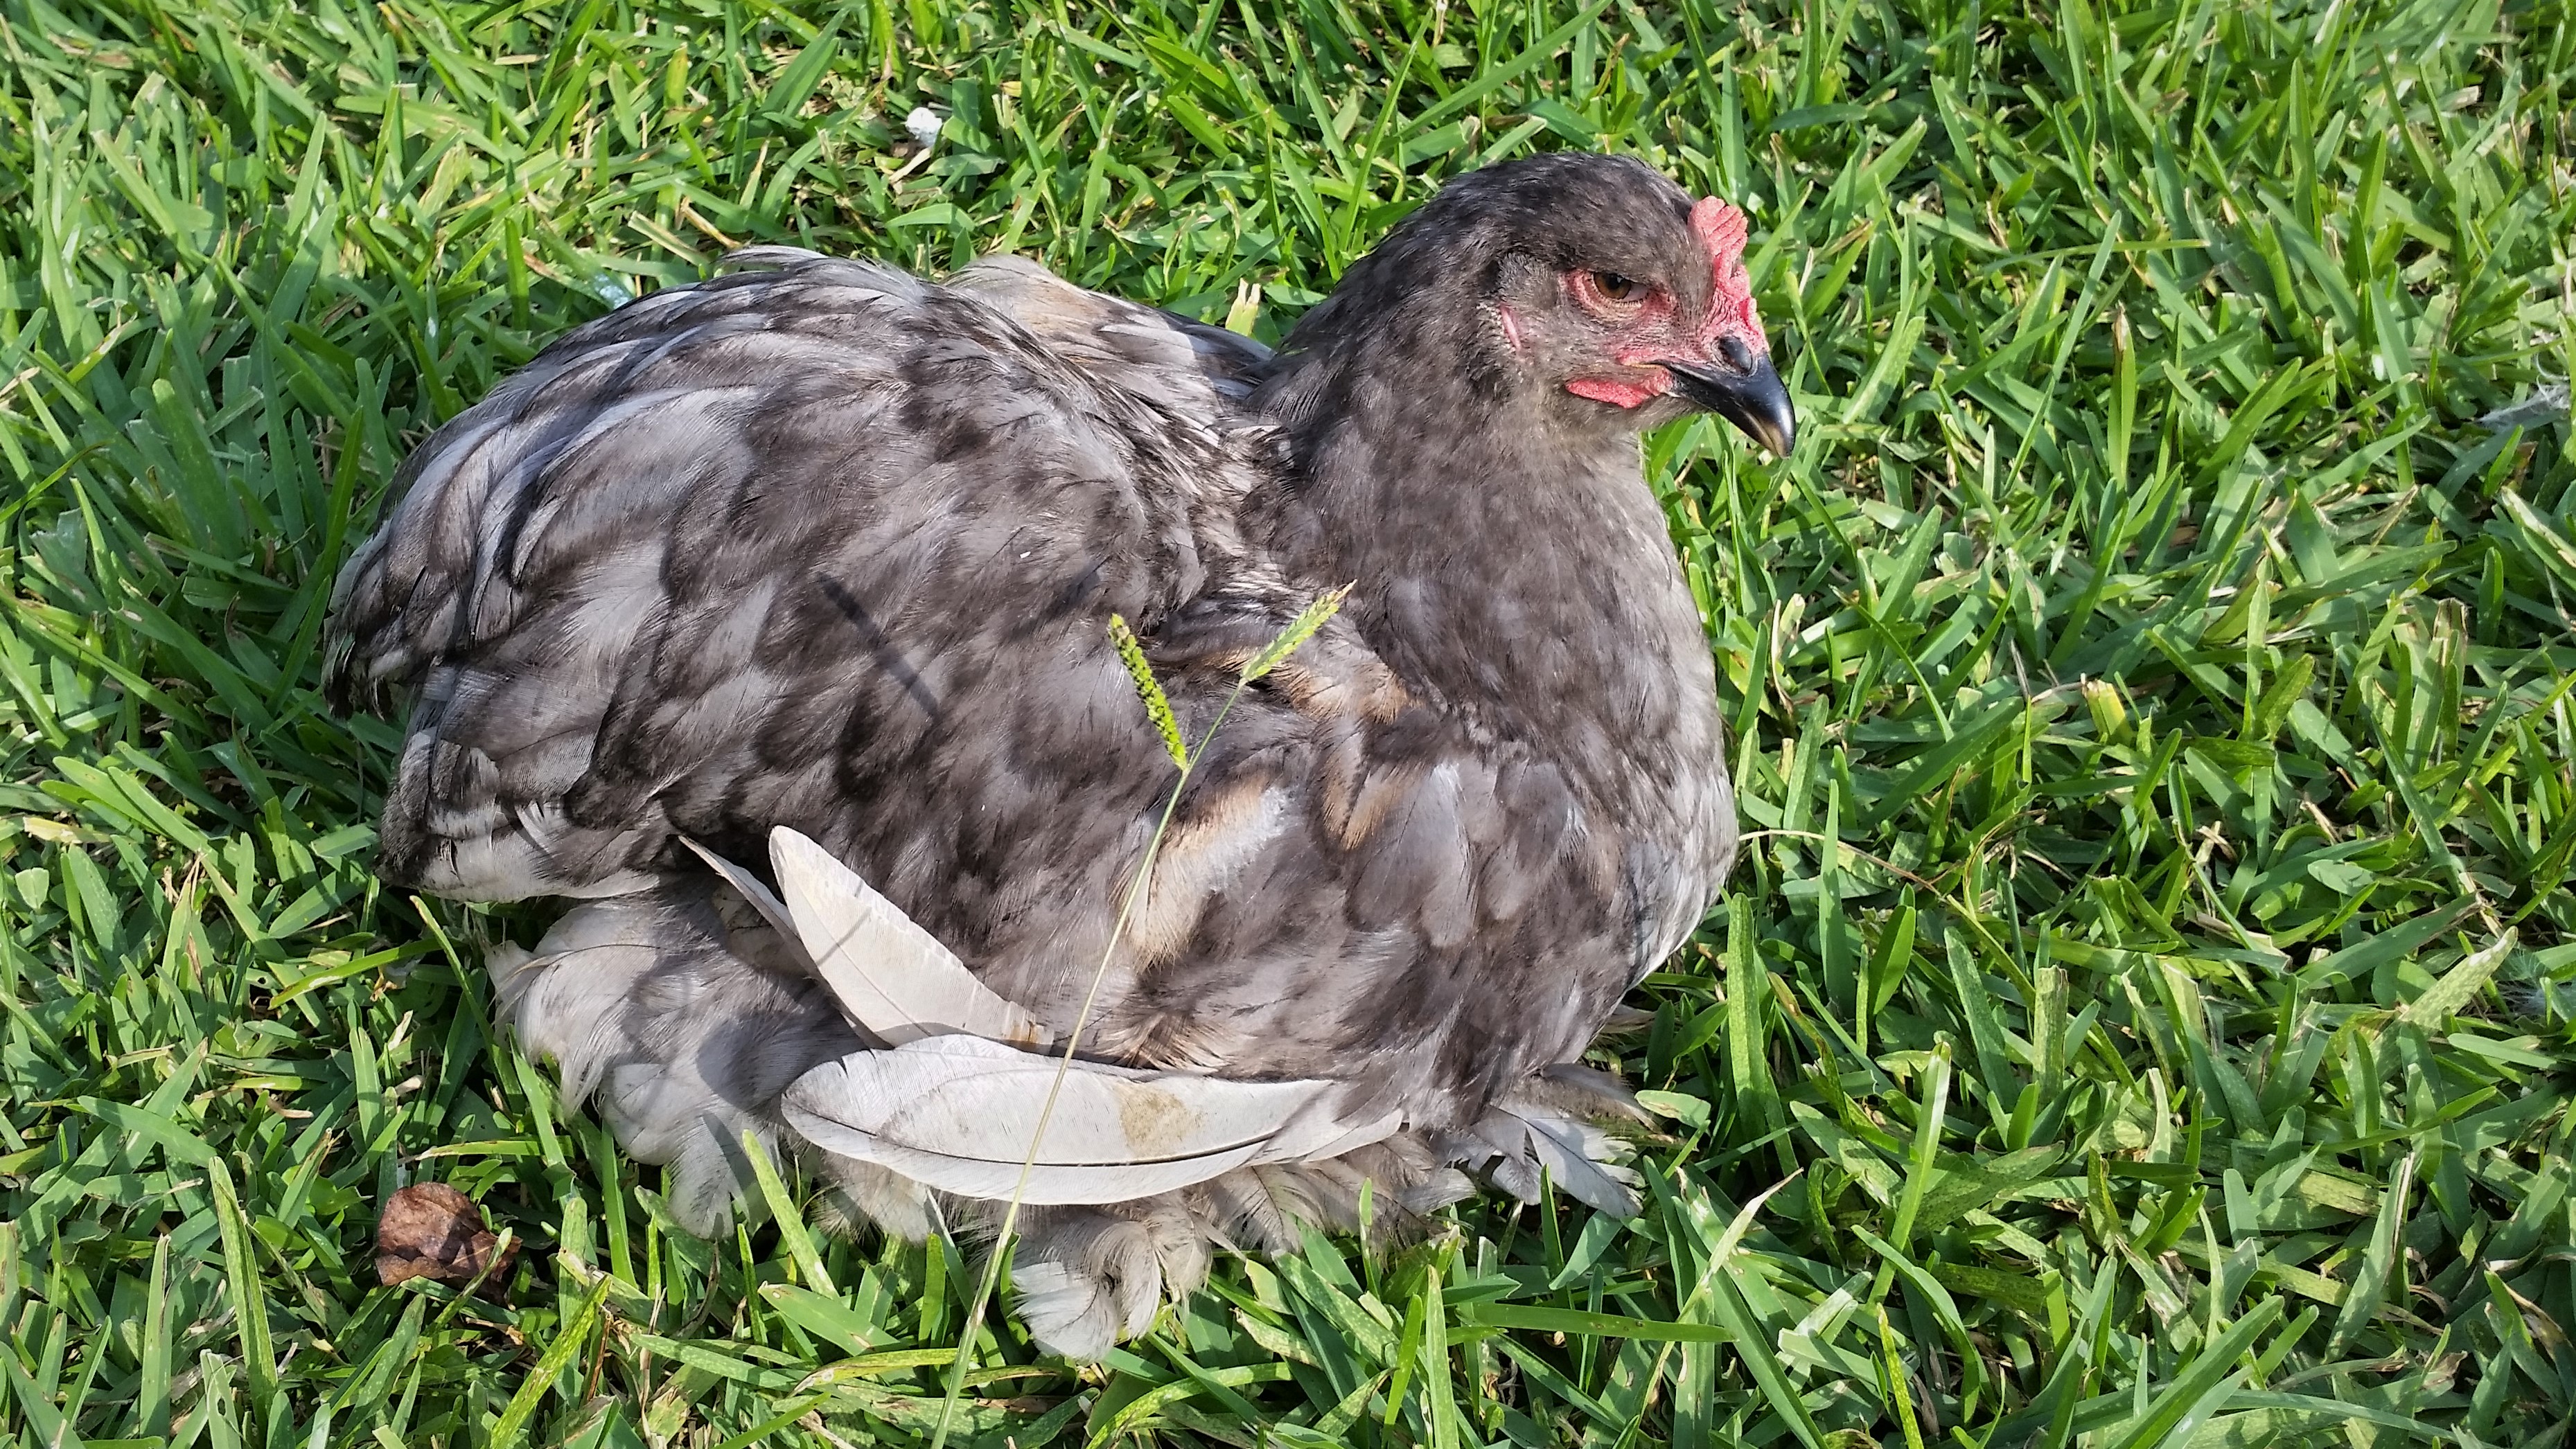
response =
{"points": [[1159, 352], [630, 585]]}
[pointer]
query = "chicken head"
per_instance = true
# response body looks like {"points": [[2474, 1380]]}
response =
{"points": [[1632, 301]]}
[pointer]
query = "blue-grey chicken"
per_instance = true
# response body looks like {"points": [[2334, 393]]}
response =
{"points": [[819, 554]]}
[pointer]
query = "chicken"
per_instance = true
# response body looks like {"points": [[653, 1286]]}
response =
{"points": [[810, 564]]}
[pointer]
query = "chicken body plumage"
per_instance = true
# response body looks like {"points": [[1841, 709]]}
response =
{"points": [[819, 545]]}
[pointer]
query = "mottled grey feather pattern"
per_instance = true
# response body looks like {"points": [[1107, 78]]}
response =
{"points": [[821, 545]]}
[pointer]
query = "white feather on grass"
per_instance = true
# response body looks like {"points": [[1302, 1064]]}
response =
{"points": [[959, 1113], [893, 978]]}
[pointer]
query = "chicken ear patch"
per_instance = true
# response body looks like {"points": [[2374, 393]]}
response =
{"points": [[892, 977], [959, 1113]]}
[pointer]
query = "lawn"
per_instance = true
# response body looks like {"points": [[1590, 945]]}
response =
{"points": [[2142, 1016]]}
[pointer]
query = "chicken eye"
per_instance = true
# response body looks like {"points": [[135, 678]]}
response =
{"points": [[1615, 287]]}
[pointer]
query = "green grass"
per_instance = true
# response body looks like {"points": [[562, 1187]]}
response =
{"points": [[2144, 1017]]}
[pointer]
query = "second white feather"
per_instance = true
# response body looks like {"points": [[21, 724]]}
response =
{"points": [[891, 976]]}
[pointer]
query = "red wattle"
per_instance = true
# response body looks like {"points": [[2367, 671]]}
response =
{"points": [[1614, 391]]}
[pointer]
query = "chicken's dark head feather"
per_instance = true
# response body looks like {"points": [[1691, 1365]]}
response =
{"points": [[1589, 288]]}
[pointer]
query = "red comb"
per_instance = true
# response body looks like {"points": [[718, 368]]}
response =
{"points": [[1722, 230]]}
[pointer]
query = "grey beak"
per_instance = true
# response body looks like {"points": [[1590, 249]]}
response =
{"points": [[1753, 399]]}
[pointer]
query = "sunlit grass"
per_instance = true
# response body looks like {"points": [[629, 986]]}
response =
{"points": [[2170, 1046]]}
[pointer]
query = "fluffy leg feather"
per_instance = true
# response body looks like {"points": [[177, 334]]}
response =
{"points": [[678, 1017], [1088, 1277], [1552, 1127]]}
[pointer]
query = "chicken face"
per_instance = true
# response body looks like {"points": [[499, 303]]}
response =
{"points": [[1645, 311], [1586, 293]]}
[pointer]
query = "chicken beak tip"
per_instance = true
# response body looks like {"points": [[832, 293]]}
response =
{"points": [[1755, 400]]}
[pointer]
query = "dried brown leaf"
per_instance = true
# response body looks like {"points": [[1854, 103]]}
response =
{"points": [[430, 1230]]}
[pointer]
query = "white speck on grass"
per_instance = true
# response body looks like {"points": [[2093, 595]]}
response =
{"points": [[923, 126], [2540, 407]]}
